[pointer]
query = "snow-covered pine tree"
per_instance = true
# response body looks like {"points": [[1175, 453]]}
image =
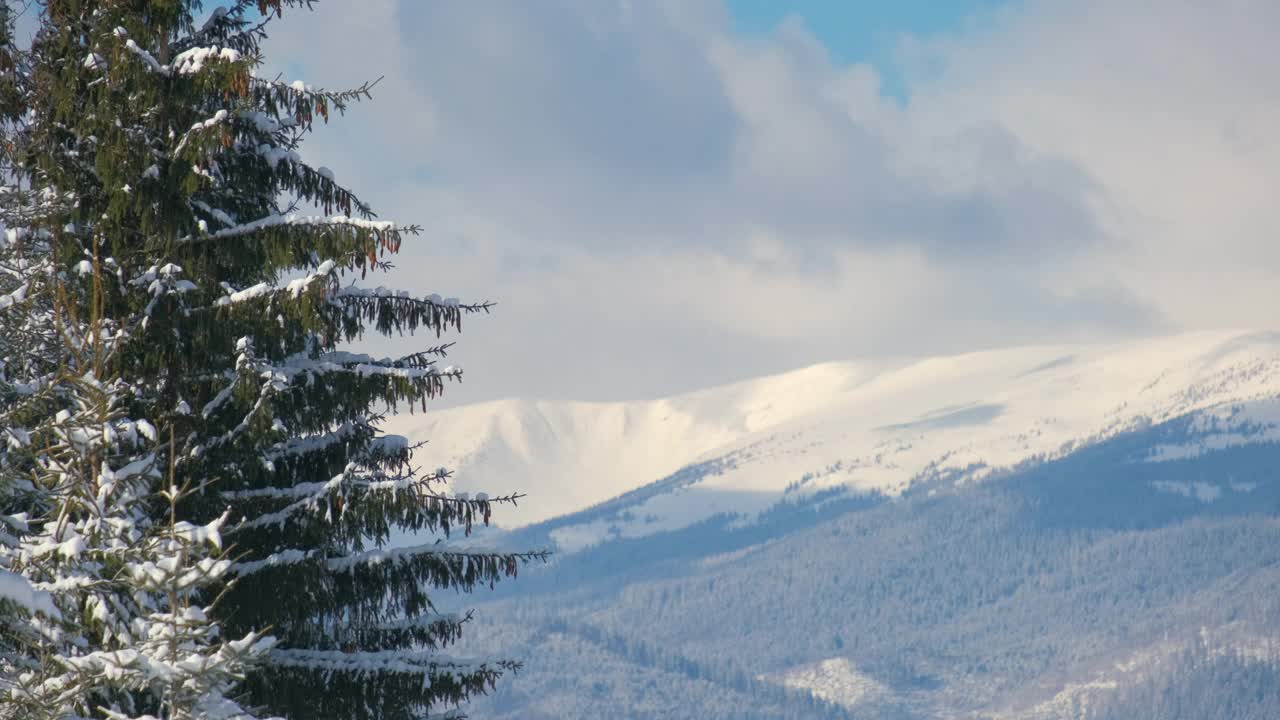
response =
{"points": [[83, 490], [25, 352], [191, 289]]}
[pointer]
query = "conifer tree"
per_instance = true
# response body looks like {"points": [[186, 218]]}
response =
{"points": [[192, 463]]}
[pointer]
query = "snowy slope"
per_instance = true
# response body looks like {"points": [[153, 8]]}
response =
{"points": [[568, 455], [849, 425]]}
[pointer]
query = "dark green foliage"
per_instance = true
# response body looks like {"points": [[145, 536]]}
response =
{"points": [[189, 201]]}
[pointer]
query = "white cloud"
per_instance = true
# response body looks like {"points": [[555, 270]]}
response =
{"points": [[1171, 107], [659, 203]]}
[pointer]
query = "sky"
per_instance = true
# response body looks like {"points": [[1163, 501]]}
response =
{"points": [[864, 31], [663, 195]]}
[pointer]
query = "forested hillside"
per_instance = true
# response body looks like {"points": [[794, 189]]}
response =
{"points": [[1016, 598], [1203, 684]]}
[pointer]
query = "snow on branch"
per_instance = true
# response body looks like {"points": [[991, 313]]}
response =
{"points": [[217, 214], [425, 620], [8, 300], [229, 26], [187, 62], [217, 119], [386, 661], [335, 362], [357, 488], [345, 432], [292, 556], [398, 555], [382, 292], [147, 58], [17, 589], [319, 492], [275, 220], [300, 91], [348, 563], [264, 395], [391, 311], [294, 288]]}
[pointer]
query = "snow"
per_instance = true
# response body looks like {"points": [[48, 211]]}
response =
{"points": [[348, 563], [202, 534], [272, 221], [402, 554], [192, 61], [145, 56], [836, 680], [16, 589], [217, 118], [859, 426], [284, 557], [1224, 427], [1142, 663], [142, 466], [274, 155], [218, 400], [361, 365], [17, 437], [387, 661], [380, 291], [249, 293], [294, 288], [187, 62], [15, 297], [217, 214], [568, 455], [262, 121], [1202, 491]]}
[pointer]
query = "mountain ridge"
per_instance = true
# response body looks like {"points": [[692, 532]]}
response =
{"points": [[859, 427]]}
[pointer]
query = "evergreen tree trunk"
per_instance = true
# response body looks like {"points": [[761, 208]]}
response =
{"points": [[191, 458]]}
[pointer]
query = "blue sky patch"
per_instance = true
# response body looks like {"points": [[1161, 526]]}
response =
{"points": [[864, 31]]}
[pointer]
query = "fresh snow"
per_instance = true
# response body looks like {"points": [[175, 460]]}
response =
{"points": [[295, 219], [1226, 426], [569, 455], [835, 680], [855, 426], [16, 589], [187, 62]]}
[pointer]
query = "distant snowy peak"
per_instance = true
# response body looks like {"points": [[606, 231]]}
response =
{"points": [[854, 426], [568, 455]]}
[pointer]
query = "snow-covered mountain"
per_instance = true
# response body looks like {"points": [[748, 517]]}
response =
{"points": [[855, 427], [1010, 534], [570, 455]]}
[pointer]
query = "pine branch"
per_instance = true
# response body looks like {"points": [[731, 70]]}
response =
{"points": [[275, 221], [369, 558]]}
